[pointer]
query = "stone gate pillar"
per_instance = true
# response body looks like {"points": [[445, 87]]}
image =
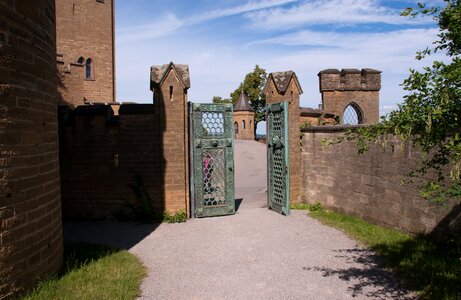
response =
{"points": [[30, 207], [285, 87], [170, 83]]}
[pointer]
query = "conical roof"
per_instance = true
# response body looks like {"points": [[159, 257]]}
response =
{"points": [[243, 104]]}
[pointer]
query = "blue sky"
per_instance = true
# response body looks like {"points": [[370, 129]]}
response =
{"points": [[222, 40]]}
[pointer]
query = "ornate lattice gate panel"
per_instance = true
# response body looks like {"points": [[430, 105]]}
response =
{"points": [[278, 163], [212, 145]]}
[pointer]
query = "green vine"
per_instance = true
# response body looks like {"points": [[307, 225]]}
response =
{"points": [[430, 115]]}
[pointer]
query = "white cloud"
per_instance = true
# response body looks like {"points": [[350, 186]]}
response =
{"points": [[245, 8], [341, 12], [386, 43], [171, 22]]}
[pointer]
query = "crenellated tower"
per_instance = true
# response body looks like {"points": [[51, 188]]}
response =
{"points": [[352, 94]]}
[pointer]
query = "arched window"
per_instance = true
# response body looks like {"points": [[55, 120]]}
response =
{"points": [[89, 69], [243, 124], [236, 129], [352, 115], [250, 124], [81, 60]]}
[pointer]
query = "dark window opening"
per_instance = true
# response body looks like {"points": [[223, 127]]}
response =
{"points": [[171, 92], [81, 60], [89, 69]]}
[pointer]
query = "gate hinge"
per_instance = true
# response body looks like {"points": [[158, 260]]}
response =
{"points": [[198, 143]]}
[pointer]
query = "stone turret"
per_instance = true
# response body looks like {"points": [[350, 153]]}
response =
{"points": [[285, 87], [244, 118], [170, 83], [352, 94], [30, 206]]}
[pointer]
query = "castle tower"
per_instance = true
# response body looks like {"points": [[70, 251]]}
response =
{"points": [[285, 87], [244, 119], [170, 84], [85, 47], [351, 94], [30, 207]]}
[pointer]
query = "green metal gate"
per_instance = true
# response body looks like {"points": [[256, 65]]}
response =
{"points": [[278, 162], [212, 147]]}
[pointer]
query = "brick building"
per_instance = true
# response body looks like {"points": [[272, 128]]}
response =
{"points": [[351, 94], [244, 119], [85, 47], [316, 117]]}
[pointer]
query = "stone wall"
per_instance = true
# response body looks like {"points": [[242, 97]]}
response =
{"points": [[85, 28], [30, 210], [351, 86], [316, 117], [102, 156], [369, 185]]}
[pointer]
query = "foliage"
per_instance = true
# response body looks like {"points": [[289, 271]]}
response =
{"points": [[434, 269], [93, 272], [304, 206], [252, 86], [145, 212], [430, 115], [217, 100], [305, 125], [179, 217]]}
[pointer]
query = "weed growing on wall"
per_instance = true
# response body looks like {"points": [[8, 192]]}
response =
{"points": [[145, 212]]}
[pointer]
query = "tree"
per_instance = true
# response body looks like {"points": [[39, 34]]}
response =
{"points": [[217, 99], [253, 86], [430, 115]]}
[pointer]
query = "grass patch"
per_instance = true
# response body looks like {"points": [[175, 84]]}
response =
{"points": [[179, 217], [93, 272], [433, 268]]}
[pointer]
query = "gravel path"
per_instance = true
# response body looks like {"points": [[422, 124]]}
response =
{"points": [[255, 254]]}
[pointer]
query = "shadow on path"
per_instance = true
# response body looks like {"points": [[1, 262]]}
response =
{"points": [[122, 235], [366, 270]]}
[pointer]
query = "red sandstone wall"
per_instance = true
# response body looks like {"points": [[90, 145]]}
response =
{"points": [[316, 121], [84, 28], [339, 89], [369, 186], [291, 96], [30, 210], [249, 132], [101, 154], [337, 101]]}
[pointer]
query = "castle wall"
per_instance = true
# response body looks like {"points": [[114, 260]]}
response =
{"points": [[249, 132], [316, 121], [370, 185], [341, 88], [102, 156], [30, 209], [85, 28]]}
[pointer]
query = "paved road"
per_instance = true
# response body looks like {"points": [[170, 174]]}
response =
{"points": [[255, 254]]}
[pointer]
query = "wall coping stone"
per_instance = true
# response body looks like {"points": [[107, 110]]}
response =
{"points": [[332, 128]]}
